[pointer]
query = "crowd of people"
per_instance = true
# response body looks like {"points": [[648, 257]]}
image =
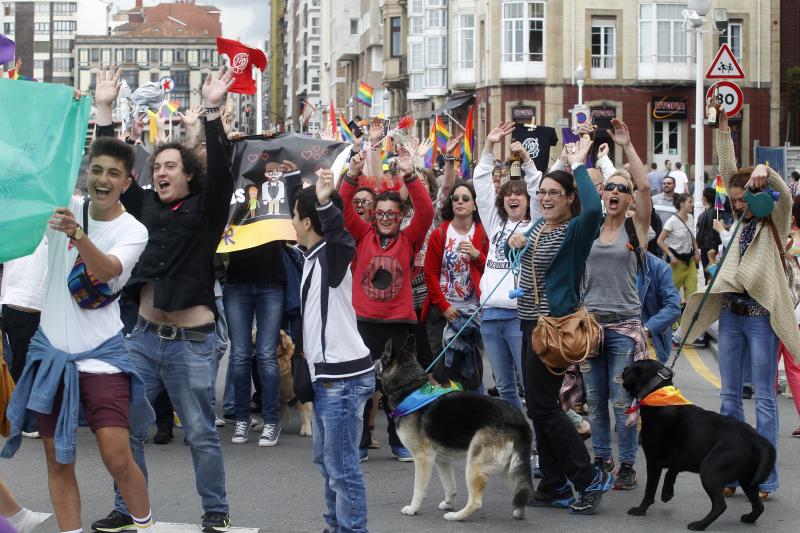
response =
{"points": [[125, 311]]}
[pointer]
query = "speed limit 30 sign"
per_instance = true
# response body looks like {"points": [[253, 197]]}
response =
{"points": [[729, 96]]}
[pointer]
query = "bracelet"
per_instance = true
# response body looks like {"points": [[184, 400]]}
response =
{"points": [[212, 109], [450, 158]]}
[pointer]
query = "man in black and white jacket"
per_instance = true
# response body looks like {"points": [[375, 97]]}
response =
{"points": [[340, 365]]}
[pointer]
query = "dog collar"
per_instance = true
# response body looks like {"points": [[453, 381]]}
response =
{"points": [[423, 396], [663, 397]]}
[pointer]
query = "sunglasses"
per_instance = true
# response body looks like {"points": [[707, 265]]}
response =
{"points": [[551, 193], [362, 202], [621, 187], [464, 198], [386, 215]]}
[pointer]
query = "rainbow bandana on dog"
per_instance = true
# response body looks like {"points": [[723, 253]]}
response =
{"points": [[663, 397], [423, 396]]}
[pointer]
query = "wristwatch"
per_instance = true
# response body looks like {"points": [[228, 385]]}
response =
{"points": [[78, 235]]}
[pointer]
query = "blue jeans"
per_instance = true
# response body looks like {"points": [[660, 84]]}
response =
{"points": [[736, 333], [265, 302], [221, 346], [602, 377], [502, 340], [185, 369], [338, 409]]}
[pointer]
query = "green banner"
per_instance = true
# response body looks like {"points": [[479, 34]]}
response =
{"points": [[42, 133]]}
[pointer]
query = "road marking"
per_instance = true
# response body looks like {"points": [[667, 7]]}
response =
{"points": [[700, 367], [170, 527]]}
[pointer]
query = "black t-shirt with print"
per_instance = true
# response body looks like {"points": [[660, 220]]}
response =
{"points": [[537, 142]]}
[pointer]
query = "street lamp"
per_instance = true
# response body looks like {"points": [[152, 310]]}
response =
{"points": [[386, 111], [580, 76]]}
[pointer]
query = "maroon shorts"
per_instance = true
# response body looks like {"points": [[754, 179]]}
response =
{"points": [[105, 399]]}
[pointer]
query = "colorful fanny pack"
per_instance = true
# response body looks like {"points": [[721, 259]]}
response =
{"points": [[87, 291]]}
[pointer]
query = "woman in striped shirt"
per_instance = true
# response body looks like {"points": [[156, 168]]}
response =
{"points": [[556, 260]]}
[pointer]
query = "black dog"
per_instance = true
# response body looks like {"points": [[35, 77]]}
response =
{"points": [[686, 438]]}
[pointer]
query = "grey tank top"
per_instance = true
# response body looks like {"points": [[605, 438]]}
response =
{"points": [[610, 289]]}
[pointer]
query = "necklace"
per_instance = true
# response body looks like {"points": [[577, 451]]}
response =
{"points": [[611, 233]]}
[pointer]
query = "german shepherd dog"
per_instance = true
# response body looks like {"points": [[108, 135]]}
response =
{"points": [[494, 436], [687, 438]]}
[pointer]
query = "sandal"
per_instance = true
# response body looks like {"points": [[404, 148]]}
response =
{"points": [[796, 432], [763, 496]]}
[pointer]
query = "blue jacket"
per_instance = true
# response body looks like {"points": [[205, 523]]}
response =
{"points": [[37, 389], [661, 304]]}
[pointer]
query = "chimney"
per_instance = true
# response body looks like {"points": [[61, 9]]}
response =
{"points": [[139, 4]]}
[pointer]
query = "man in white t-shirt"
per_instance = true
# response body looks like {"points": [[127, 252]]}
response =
{"points": [[681, 179], [78, 355]]}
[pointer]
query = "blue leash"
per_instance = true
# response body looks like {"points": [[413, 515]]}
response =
{"points": [[515, 261]]}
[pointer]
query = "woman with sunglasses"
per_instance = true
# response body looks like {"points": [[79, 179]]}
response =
{"points": [[454, 264], [382, 269], [504, 211], [571, 214], [612, 296]]}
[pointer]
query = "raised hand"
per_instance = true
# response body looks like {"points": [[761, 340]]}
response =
{"points": [[602, 151], [518, 150], [723, 119], [453, 143], [216, 87], [405, 163], [107, 87], [578, 151], [357, 165], [619, 132], [504, 129], [324, 185], [191, 116], [375, 130], [287, 166], [758, 179], [424, 147]]}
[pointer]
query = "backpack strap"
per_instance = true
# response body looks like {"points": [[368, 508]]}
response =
{"points": [[86, 217], [633, 239]]}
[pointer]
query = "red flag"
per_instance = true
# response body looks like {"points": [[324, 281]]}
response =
{"points": [[334, 129], [241, 59]]}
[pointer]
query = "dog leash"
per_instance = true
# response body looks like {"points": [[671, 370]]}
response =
{"points": [[515, 261], [705, 297]]}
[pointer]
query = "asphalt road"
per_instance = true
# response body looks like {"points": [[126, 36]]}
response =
{"points": [[279, 489]]}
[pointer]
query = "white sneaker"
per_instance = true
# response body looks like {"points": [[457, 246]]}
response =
{"points": [[31, 435], [269, 436], [26, 520], [219, 422], [240, 434]]}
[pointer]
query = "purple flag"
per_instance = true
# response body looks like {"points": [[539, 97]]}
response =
{"points": [[7, 50]]}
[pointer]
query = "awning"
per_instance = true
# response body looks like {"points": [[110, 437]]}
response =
{"points": [[453, 103]]}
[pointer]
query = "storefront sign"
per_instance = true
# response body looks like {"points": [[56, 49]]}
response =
{"points": [[670, 107], [523, 113]]}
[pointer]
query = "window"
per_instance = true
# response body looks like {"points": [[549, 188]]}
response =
{"points": [[65, 26], [64, 8], [662, 37], [314, 25], [314, 84], [8, 9], [415, 7], [8, 27], [436, 77], [106, 56], [83, 57], [415, 25], [377, 102], [128, 55], [180, 55], [181, 79], [465, 42], [437, 18], [38, 65], [141, 56], [94, 55], [131, 77], [523, 31], [118, 56], [416, 82], [603, 43], [315, 53], [155, 55], [353, 26], [396, 47], [192, 57], [733, 37], [41, 27], [166, 57], [376, 63], [42, 8], [62, 64], [62, 45], [435, 51], [205, 55]]}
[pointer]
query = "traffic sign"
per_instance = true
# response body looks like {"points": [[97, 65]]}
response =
{"points": [[580, 114], [724, 65], [729, 96], [167, 83]]}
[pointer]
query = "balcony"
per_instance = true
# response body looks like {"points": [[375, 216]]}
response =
{"points": [[603, 67], [394, 70]]}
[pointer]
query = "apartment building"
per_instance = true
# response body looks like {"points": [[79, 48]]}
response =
{"points": [[44, 32]]}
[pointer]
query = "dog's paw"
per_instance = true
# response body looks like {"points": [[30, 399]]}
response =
{"points": [[408, 510], [667, 496], [749, 518], [637, 511], [446, 506], [696, 526], [452, 517], [518, 513], [305, 431]]}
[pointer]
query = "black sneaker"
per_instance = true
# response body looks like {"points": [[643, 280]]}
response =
{"points": [[626, 477], [214, 522], [114, 523], [589, 498], [163, 437], [561, 500], [747, 392], [607, 465]]}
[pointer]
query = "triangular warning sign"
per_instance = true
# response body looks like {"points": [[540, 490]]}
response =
{"points": [[724, 65]]}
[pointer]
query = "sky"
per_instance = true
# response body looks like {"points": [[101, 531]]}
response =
{"points": [[244, 20]]}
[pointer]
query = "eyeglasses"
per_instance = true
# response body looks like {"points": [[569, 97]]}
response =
{"points": [[362, 202], [553, 193], [621, 187], [464, 198], [387, 215]]}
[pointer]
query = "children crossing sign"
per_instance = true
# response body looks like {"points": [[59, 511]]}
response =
{"points": [[724, 65]]}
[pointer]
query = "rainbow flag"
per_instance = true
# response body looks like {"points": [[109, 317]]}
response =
{"points": [[13, 74], [170, 107], [722, 194], [442, 135], [430, 157], [467, 145], [364, 94], [344, 130]]}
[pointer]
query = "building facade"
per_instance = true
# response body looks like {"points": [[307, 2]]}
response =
{"points": [[44, 32]]}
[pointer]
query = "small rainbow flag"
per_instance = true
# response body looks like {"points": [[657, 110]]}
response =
{"points": [[170, 107], [344, 129], [430, 157], [13, 74], [364, 94], [467, 145], [722, 194], [442, 135]]}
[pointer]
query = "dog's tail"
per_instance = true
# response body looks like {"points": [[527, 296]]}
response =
{"points": [[766, 460], [519, 470]]}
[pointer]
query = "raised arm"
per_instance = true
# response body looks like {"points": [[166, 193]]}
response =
{"points": [[725, 150], [591, 207], [191, 123], [340, 247], [219, 179], [482, 179], [354, 224], [533, 177], [420, 201], [604, 162], [644, 205], [373, 164], [449, 177]]}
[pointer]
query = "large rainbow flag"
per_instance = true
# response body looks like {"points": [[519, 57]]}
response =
{"points": [[442, 135], [467, 145], [364, 94], [344, 129]]}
